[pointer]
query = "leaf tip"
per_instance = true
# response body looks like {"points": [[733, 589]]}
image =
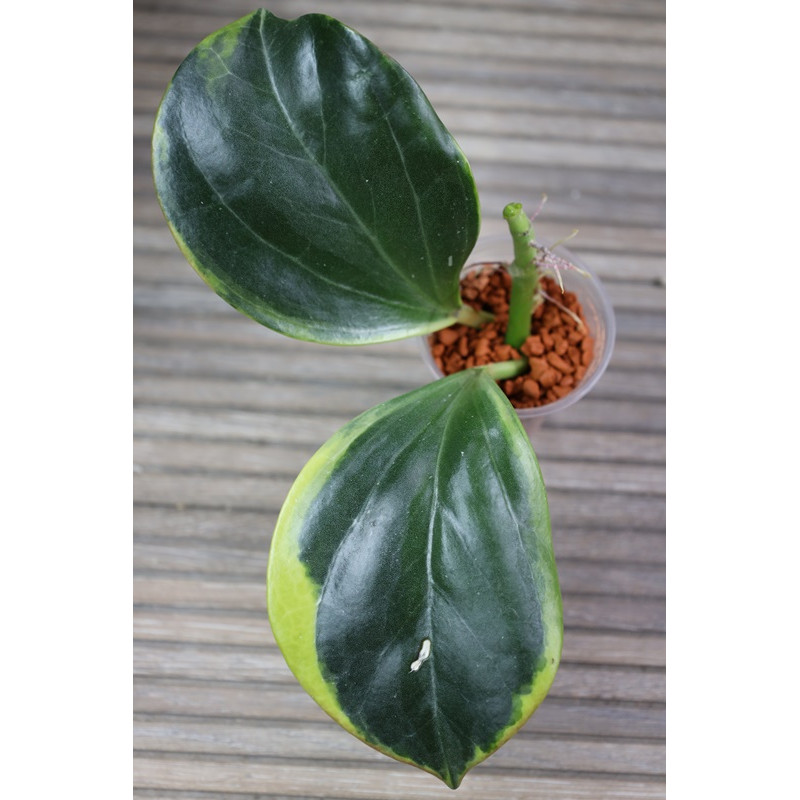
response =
{"points": [[453, 781]]}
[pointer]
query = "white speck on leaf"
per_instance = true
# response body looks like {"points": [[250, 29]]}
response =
{"points": [[424, 653]]}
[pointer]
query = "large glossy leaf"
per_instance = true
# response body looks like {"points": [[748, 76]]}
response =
{"points": [[411, 583], [309, 181]]}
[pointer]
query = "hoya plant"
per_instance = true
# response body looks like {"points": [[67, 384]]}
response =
{"points": [[411, 584]]}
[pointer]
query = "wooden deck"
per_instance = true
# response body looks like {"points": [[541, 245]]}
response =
{"points": [[558, 96]]}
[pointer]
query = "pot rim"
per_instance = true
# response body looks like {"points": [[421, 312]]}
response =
{"points": [[600, 301]]}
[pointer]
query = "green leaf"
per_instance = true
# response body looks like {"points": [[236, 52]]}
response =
{"points": [[308, 180], [411, 584]]}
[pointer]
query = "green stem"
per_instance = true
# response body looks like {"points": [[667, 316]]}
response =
{"points": [[503, 370], [524, 275], [520, 308]]}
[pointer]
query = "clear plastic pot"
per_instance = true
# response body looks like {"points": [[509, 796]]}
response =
{"points": [[597, 310]]}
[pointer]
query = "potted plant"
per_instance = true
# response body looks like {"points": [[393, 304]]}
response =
{"points": [[564, 344], [411, 584]]}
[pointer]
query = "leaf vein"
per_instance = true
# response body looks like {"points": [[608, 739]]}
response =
{"points": [[370, 236]]}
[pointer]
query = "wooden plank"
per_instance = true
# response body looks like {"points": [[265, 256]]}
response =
{"points": [[603, 237], [489, 70], [528, 151], [250, 395], [597, 647], [576, 199], [639, 240], [595, 413], [166, 52], [590, 613], [233, 665], [200, 18], [568, 475], [529, 47], [156, 654], [620, 547], [312, 431], [650, 10], [155, 267], [609, 102], [326, 743], [357, 783], [525, 123], [248, 530], [221, 629], [169, 459], [277, 701], [570, 205], [400, 375], [232, 612], [226, 331], [246, 527], [356, 366], [579, 576], [167, 639], [199, 332], [178, 356], [634, 614], [604, 217], [633, 325], [584, 39], [604, 509]]}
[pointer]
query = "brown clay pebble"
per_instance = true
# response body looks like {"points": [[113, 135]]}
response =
{"points": [[533, 346], [538, 367], [558, 350], [447, 337], [551, 319], [561, 390], [454, 363], [574, 356], [549, 378], [505, 352], [574, 336], [555, 360], [531, 388]]}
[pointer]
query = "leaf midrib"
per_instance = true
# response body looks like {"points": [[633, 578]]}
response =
{"points": [[431, 588]]}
